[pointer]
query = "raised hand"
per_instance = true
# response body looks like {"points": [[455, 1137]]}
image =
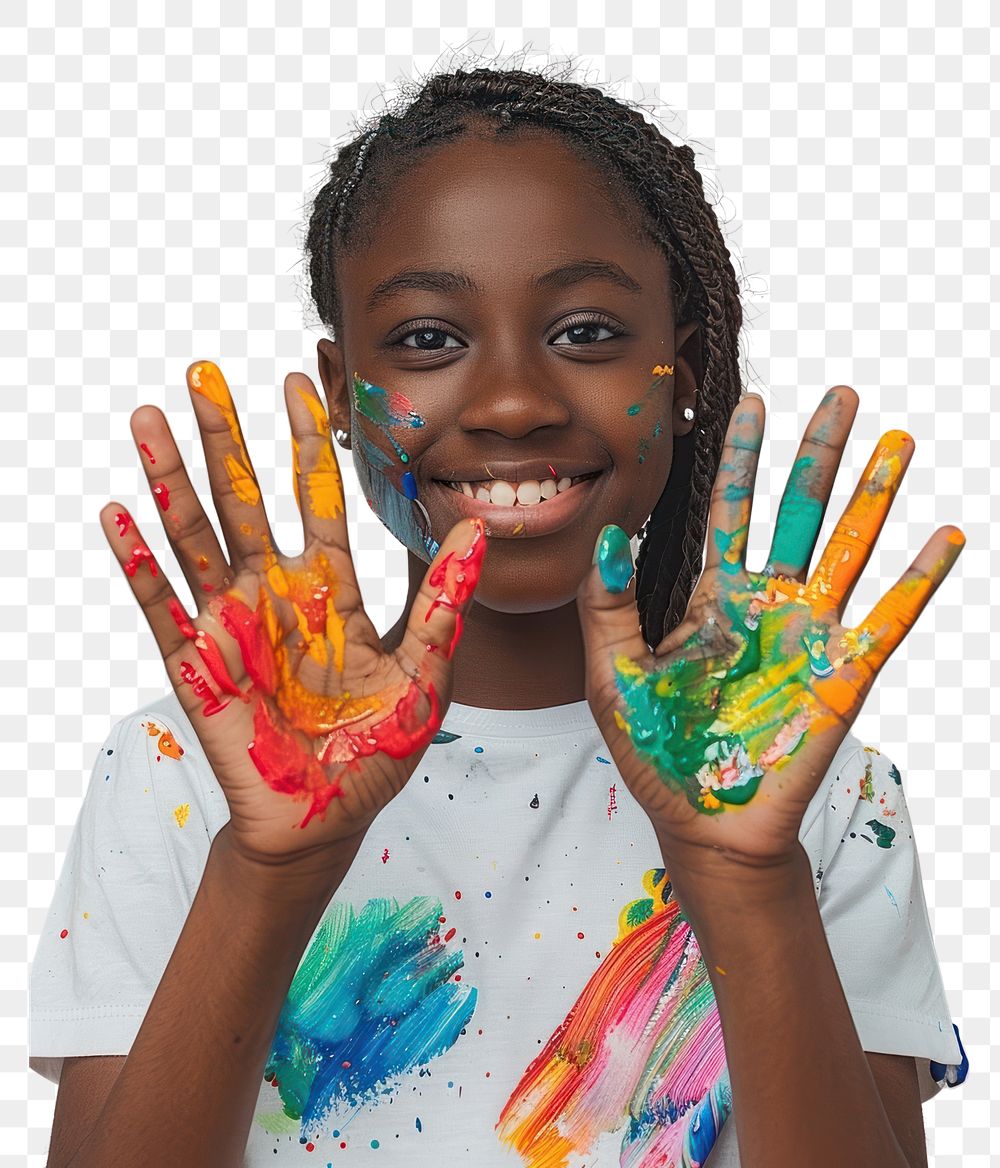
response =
{"points": [[724, 733], [310, 726]]}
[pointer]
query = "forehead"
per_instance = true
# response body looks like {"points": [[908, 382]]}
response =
{"points": [[503, 208]]}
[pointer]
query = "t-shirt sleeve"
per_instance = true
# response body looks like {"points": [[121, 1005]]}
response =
{"points": [[133, 865], [873, 908]]}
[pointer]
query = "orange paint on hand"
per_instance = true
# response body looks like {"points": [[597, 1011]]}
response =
{"points": [[206, 379]]}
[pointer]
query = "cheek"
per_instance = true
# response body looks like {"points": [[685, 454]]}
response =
{"points": [[382, 418]]}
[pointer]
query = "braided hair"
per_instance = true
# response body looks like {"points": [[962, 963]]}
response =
{"points": [[658, 179]]}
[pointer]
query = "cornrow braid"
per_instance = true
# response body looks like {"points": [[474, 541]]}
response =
{"points": [[656, 178]]}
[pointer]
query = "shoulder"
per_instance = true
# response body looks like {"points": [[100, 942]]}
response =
{"points": [[153, 765]]}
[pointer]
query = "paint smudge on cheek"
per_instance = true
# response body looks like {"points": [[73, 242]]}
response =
{"points": [[374, 998], [636, 408], [391, 493]]}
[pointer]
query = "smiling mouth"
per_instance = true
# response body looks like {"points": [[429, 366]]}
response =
{"points": [[530, 493]]}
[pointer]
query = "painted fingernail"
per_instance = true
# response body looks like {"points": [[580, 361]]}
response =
{"points": [[613, 557]]}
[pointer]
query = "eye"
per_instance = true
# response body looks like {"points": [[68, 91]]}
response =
{"points": [[429, 339], [581, 330]]}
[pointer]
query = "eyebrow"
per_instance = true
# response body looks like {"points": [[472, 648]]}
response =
{"points": [[451, 283]]}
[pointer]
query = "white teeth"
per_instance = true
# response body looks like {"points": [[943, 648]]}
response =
{"points": [[503, 494], [529, 492]]}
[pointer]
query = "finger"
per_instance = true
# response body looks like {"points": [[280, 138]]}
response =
{"points": [[202, 677], [807, 493], [606, 602], [895, 614], [319, 490], [230, 471], [732, 496], [188, 528], [853, 538], [434, 625]]}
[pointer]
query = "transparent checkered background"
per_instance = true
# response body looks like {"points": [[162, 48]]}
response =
{"points": [[154, 186]]}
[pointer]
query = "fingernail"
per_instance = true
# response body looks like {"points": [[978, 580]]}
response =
{"points": [[613, 557]]}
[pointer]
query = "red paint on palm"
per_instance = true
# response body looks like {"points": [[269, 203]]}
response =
{"points": [[286, 766], [246, 628], [209, 649]]}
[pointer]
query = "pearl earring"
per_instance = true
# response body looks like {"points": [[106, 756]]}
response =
{"points": [[342, 436], [688, 414]]}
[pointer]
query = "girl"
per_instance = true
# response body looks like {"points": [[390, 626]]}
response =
{"points": [[579, 863]]}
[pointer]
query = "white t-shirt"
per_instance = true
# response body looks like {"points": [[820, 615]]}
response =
{"points": [[469, 966]]}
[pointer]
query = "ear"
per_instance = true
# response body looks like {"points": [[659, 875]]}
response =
{"points": [[333, 375], [688, 372]]}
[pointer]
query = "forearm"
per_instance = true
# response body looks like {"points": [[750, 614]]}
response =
{"points": [[803, 1092], [187, 1091]]}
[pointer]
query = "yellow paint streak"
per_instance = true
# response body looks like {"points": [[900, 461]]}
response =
{"points": [[326, 492], [181, 813], [315, 407], [206, 379], [296, 471]]}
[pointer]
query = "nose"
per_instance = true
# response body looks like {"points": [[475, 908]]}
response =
{"points": [[511, 401]]}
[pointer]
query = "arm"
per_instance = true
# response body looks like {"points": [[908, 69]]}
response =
{"points": [[201, 1050], [803, 1089]]}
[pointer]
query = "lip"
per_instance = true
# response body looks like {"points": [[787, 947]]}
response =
{"points": [[519, 472], [536, 519]]}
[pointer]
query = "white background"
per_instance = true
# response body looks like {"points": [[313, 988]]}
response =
{"points": [[155, 185]]}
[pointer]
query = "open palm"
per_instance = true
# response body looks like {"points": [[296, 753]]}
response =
{"points": [[724, 733], [307, 722]]}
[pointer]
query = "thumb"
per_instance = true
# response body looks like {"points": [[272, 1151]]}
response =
{"points": [[609, 618], [434, 625]]}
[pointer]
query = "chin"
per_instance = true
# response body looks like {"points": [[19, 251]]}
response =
{"points": [[513, 596]]}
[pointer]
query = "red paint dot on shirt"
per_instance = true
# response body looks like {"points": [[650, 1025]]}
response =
{"points": [[487, 1074], [451, 933], [442, 919], [458, 977], [310, 1147], [345, 1063], [458, 896], [64, 933], [580, 935], [342, 1144]]}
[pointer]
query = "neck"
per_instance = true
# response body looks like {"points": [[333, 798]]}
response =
{"points": [[511, 661]]}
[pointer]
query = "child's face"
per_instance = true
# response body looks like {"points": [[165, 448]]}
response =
{"points": [[487, 370]]}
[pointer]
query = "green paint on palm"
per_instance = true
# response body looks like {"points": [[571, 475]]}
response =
{"points": [[716, 718]]}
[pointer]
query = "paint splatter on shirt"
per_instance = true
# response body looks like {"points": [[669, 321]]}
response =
{"points": [[516, 985]]}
